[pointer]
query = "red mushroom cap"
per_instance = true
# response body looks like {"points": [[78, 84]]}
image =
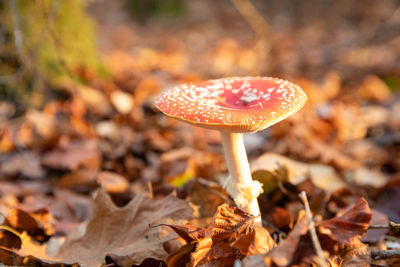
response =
{"points": [[238, 104]]}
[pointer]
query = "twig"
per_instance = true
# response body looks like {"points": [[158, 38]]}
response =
{"points": [[313, 233], [384, 254], [394, 227]]}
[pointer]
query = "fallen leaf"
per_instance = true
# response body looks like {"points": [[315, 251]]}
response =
{"points": [[350, 226], [126, 261], [112, 182], [374, 235], [108, 129], [73, 155], [95, 100], [70, 209], [231, 235], [388, 198], [254, 242], [29, 250], [6, 140], [373, 88], [272, 169], [78, 178], [365, 177], [187, 232], [122, 101], [282, 218], [123, 231], [24, 221], [25, 163], [44, 124], [148, 86], [282, 255], [254, 261], [207, 195]]}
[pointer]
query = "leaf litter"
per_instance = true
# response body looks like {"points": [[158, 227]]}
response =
{"points": [[106, 137]]}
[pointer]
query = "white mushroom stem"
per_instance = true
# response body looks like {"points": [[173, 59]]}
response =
{"points": [[240, 184]]}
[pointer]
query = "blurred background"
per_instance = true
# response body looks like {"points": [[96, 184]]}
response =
{"points": [[78, 80], [45, 44]]}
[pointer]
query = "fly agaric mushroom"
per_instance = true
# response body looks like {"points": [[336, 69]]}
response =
{"points": [[235, 106]]}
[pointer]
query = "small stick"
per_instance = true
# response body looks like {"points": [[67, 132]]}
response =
{"points": [[384, 254], [394, 227], [313, 233]]}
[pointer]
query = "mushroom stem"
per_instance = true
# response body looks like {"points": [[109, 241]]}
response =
{"points": [[240, 184]]}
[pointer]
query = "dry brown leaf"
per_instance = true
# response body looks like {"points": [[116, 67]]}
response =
{"points": [[112, 182], [388, 198], [254, 242], [26, 164], [282, 255], [122, 101], [345, 231], [34, 224], [282, 218], [231, 235], [187, 232], [79, 178], [123, 231], [268, 170], [125, 261], [95, 100], [147, 87], [70, 209], [373, 88], [73, 155], [43, 123], [365, 177], [206, 195], [350, 226], [31, 248], [374, 235], [6, 140], [29, 251]]}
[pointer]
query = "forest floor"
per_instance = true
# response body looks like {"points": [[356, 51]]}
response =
{"points": [[101, 177]]}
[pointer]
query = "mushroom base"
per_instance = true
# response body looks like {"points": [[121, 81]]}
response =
{"points": [[240, 184]]}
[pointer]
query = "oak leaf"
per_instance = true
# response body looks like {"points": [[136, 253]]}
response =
{"points": [[123, 231]]}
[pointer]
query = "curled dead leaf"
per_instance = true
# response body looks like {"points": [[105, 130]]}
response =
{"points": [[231, 235]]}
